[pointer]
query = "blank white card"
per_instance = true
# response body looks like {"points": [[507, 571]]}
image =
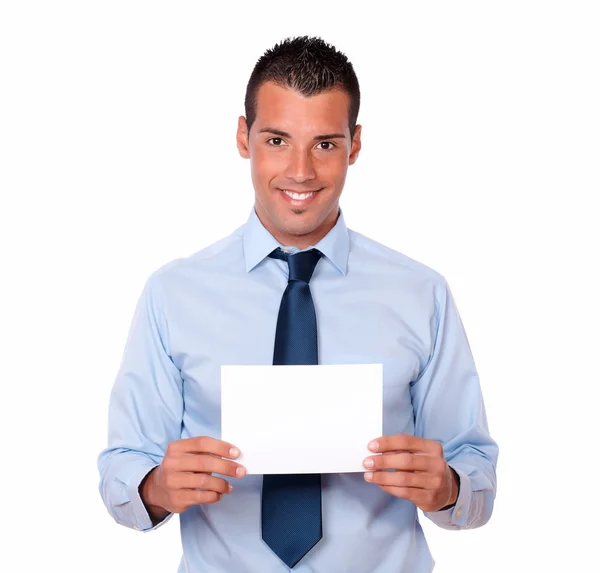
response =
{"points": [[302, 419]]}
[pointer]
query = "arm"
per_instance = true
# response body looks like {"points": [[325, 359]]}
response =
{"points": [[449, 409], [145, 413]]}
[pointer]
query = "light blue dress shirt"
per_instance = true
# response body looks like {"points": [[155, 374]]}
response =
{"points": [[373, 305]]}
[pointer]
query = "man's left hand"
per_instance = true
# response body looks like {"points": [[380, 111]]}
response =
{"points": [[419, 472]]}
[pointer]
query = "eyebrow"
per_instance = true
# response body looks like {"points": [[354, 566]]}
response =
{"points": [[315, 138]]}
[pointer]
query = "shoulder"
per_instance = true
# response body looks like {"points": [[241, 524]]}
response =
{"points": [[215, 257], [390, 261], [395, 274]]}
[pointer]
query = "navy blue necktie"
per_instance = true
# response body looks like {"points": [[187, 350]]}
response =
{"points": [[291, 503]]}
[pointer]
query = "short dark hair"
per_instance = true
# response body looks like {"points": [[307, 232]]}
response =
{"points": [[308, 65]]}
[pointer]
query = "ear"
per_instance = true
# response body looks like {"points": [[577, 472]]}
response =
{"points": [[242, 138], [356, 145]]}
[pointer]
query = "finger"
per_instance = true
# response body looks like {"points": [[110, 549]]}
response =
{"points": [[404, 461], [199, 497], [404, 442], [416, 495], [400, 479], [207, 464], [200, 481], [205, 444]]}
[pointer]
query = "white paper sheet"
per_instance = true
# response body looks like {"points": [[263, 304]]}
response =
{"points": [[302, 419]]}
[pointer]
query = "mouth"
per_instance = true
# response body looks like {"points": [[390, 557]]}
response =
{"points": [[298, 199]]}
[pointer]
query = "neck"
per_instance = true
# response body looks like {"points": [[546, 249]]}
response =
{"points": [[301, 241]]}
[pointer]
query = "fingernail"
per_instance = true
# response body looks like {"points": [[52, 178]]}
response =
{"points": [[229, 487], [373, 445], [234, 452], [368, 476], [240, 471], [368, 463]]}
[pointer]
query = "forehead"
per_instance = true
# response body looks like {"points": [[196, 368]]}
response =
{"points": [[288, 110]]}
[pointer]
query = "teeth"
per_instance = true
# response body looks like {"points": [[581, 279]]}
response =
{"points": [[298, 196]]}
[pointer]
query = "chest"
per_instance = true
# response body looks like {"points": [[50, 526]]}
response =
{"points": [[233, 323]]}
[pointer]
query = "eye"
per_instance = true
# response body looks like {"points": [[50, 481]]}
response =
{"points": [[330, 145], [275, 139]]}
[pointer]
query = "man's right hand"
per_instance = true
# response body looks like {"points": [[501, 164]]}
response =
{"points": [[185, 477]]}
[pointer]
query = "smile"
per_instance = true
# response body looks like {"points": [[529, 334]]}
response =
{"points": [[298, 198]]}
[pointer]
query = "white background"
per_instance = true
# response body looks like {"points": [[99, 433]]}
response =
{"points": [[480, 159]]}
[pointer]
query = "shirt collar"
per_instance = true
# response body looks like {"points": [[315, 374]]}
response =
{"points": [[259, 243]]}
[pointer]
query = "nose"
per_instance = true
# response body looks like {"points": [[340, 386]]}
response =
{"points": [[300, 167]]}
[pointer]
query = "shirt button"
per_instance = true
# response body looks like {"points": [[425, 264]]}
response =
{"points": [[458, 512]]}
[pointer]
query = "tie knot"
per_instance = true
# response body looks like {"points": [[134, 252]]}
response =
{"points": [[302, 265]]}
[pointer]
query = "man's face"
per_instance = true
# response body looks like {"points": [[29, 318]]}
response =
{"points": [[299, 150]]}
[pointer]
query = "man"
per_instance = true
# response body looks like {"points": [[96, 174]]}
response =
{"points": [[259, 296]]}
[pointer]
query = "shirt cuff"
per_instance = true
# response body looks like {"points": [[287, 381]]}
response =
{"points": [[133, 512], [455, 517]]}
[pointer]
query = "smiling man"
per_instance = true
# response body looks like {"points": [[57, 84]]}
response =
{"points": [[294, 285]]}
